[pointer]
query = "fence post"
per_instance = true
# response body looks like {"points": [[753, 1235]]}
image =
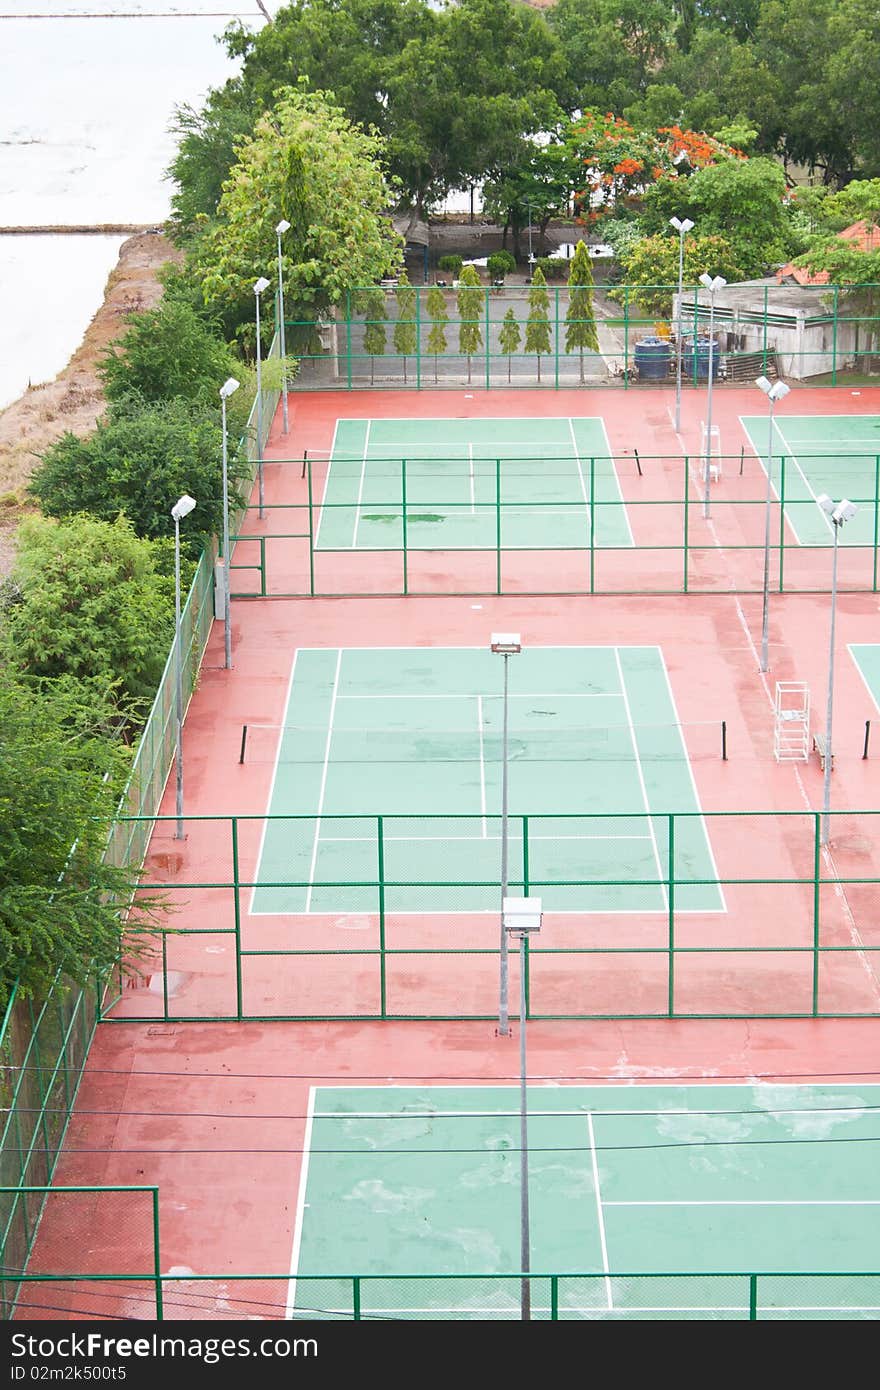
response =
{"points": [[418, 340], [686, 520], [817, 867], [753, 1298], [525, 855], [876, 505], [556, 342], [263, 589], [498, 526], [157, 1259], [781, 519], [236, 901], [554, 1297], [834, 338], [311, 533], [347, 339], [488, 354], [671, 896], [356, 1297], [625, 336], [380, 843], [403, 523]]}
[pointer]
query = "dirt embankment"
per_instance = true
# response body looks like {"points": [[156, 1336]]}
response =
{"points": [[74, 400]]}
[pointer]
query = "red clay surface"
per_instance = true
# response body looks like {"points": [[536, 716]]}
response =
{"points": [[214, 1113]]}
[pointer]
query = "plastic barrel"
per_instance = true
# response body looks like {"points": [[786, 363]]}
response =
{"points": [[699, 354], [652, 356]]}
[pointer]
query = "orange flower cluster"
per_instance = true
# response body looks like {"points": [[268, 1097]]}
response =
{"points": [[628, 166]]}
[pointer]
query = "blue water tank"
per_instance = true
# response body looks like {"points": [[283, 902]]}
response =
{"points": [[695, 358], [652, 356]]}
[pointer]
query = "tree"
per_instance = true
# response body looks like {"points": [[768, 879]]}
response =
{"points": [[509, 337], [405, 329], [435, 303], [580, 321], [167, 351], [741, 201], [91, 602], [470, 304], [538, 322], [207, 142], [308, 164], [61, 904], [651, 269], [855, 271], [372, 305], [138, 462]]}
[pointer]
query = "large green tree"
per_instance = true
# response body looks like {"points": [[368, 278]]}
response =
{"points": [[92, 602], [137, 463], [308, 164], [167, 351]]}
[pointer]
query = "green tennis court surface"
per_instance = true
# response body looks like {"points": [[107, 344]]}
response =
{"points": [[834, 454], [595, 755], [867, 659], [640, 1179], [462, 480]]}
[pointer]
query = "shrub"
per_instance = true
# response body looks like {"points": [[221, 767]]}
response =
{"points": [[499, 264], [554, 267], [451, 263]]}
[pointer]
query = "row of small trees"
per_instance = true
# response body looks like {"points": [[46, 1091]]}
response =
{"points": [[580, 332]]}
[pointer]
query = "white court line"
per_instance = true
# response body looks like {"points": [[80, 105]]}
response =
{"points": [[332, 711], [753, 1202], [323, 500], [482, 783], [600, 1216], [459, 695], [632, 733], [267, 822], [300, 1206], [583, 481], [469, 839], [357, 512], [690, 772], [790, 454]]}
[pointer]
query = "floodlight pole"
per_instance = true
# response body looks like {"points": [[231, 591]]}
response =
{"points": [[774, 393], [283, 226], [505, 644], [712, 284], [522, 916], [681, 225], [182, 507], [524, 1238], [260, 285], [225, 392]]}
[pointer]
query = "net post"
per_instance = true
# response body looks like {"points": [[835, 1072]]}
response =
{"points": [[305, 461], [244, 733], [724, 740], [742, 458], [638, 464], [867, 736]]}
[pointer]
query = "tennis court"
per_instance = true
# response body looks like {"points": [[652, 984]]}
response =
{"points": [[594, 747], [835, 454], [866, 655], [669, 1180], [459, 480]]}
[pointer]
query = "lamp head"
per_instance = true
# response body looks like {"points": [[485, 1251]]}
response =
{"points": [[261, 284], [283, 226], [229, 386], [712, 283], [773, 390], [521, 914], [681, 224], [506, 643], [839, 512], [183, 506]]}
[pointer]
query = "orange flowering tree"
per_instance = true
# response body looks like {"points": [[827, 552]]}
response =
{"points": [[611, 161]]}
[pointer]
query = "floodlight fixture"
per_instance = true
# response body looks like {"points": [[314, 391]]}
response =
{"points": [[283, 226], [261, 284], [229, 387], [681, 224], [183, 506]]}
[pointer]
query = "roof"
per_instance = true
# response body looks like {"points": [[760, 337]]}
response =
{"points": [[417, 235], [864, 234]]}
